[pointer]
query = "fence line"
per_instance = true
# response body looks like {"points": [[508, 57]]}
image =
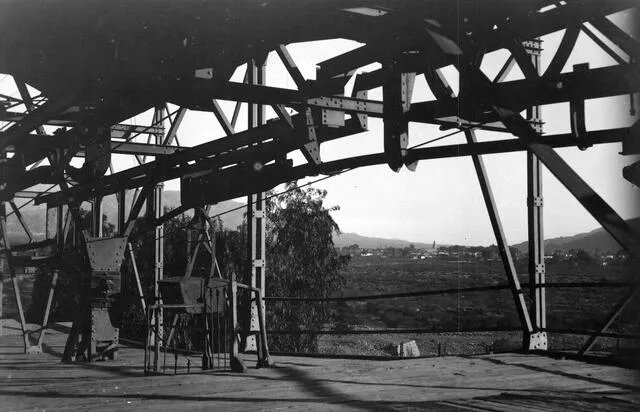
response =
{"points": [[591, 332], [443, 292], [386, 331]]}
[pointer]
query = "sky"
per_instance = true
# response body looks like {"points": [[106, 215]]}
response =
{"points": [[441, 200]]}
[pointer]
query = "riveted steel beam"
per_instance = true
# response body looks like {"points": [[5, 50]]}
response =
{"points": [[34, 119], [520, 94], [617, 227], [256, 217], [397, 92]]}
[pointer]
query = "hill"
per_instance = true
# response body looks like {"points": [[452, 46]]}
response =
{"points": [[597, 240], [171, 199], [35, 216], [347, 239]]}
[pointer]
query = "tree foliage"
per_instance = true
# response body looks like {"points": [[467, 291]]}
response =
{"points": [[301, 262]]}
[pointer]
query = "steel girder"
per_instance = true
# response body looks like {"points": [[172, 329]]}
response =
{"points": [[408, 38]]}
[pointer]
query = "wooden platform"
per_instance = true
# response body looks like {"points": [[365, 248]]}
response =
{"points": [[501, 382]]}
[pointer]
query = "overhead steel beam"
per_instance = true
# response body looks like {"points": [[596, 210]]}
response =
{"points": [[597, 40], [614, 33], [13, 117], [172, 134], [121, 130], [515, 145], [397, 92], [27, 100], [538, 24], [521, 94], [372, 108], [17, 178], [174, 170], [198, 94], [34, 119], [222, 118], [28, 194], [565, 48], [505, 70], [348, 62], [174, 166], [617, 227], [291, 66], [121, 147], [147, 149]]}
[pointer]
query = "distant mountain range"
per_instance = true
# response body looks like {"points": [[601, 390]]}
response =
{"points": [[366, 242], [35, 217], [596, 241]]}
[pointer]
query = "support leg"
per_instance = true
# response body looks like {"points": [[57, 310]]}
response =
{"points": [[503, 247], [1, 303], [14, 279], [236, 364], [537, 266], [617, 227], [45, 318], [263, 353], [159, 236], [137, 276], [610, 319], [256, 214]]}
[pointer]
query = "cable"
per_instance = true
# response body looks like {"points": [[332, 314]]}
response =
{"points": [[438, 138]]}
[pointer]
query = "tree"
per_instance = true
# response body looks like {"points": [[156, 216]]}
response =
{"points": [[580, 256], [301, 262]]}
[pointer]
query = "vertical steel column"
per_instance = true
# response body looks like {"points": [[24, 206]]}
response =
{"points": [[396, 94], [503, 246], [47, 308], [1, 299], [2, 271], [122, 217], [537, 269], [60, 228], [96, 217], [16, 287], [159, 232], [121, 198], [256, 222]]}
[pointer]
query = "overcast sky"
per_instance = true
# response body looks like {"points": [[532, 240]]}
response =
{"points": [[441, 200]]}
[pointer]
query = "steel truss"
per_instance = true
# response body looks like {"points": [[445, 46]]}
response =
{"points": [[406, 40]]}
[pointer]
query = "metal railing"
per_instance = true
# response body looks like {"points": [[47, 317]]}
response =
{"points": [[450, 291], [216, 341]]}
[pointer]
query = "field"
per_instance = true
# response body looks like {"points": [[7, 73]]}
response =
{"points": [[450, 324], [453, 320]]}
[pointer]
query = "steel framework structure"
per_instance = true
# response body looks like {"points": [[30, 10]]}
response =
{"points": [[98, 64]]}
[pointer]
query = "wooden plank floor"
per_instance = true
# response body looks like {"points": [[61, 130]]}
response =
{"points": [[501, 382]]}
